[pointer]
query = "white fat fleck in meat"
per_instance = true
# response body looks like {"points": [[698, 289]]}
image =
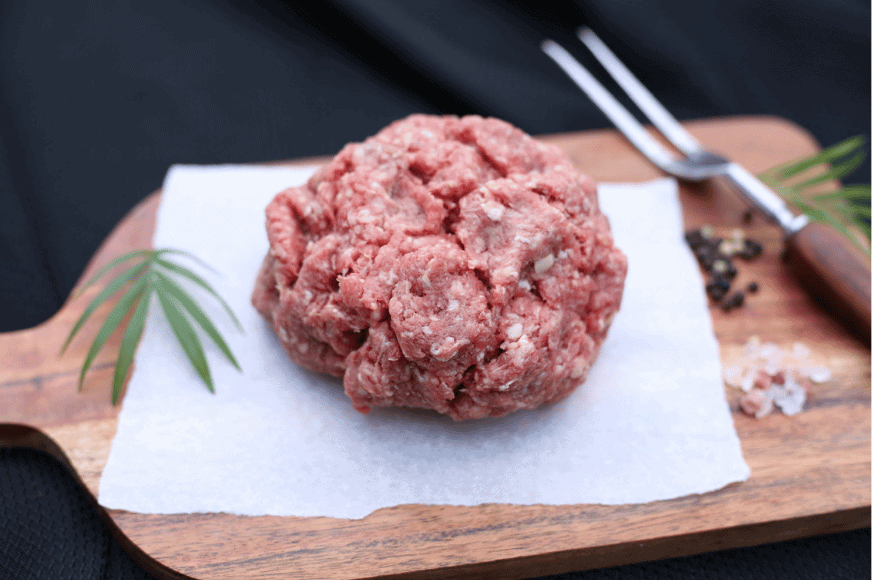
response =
{"points": [[525, 347], [519, 239], [364, 217], [495, 213], [578, 369], [525, 284], [446, 349], [453, 305], [388, 277], [543, 263], [515, 331]]}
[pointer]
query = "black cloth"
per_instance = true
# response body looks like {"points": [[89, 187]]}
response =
{"points": [[98, 98]]}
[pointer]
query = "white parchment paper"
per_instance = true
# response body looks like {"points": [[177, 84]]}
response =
{"points": [[650, 423]]}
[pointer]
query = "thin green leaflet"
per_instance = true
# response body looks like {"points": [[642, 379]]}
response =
{"points": [[149, 274]]}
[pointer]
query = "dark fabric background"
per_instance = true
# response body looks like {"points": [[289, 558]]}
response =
{"points": [[98, 98]]}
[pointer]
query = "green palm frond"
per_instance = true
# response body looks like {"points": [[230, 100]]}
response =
{"points": [[151, 275], [845, 209]]}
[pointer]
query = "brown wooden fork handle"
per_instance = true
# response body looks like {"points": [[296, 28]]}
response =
{"points": [[834, 272]]}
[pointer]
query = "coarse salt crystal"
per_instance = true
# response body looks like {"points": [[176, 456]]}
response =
{"points": [[752, 346], [748, 379], [819, 374], [733, 376], [769, 351], [757, 403], [763, 380], [782, 384], [789, 399], [772, 367]]}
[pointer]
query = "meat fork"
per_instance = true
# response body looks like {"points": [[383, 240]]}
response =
{"points": [[825, 262]]}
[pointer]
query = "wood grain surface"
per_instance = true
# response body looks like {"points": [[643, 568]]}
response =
{"points": [[810, 473], [833, 270]]}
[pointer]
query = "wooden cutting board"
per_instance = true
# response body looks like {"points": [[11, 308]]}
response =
{"points": [[810, 474]]}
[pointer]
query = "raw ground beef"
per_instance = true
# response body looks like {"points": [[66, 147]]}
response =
{"points": [[446, 263]]}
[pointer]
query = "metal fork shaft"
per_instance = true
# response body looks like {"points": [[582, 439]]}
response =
{"points": [[698, 165], [657, 113], [615, 111], [764, 199]]}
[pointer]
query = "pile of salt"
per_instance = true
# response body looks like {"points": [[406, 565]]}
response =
{"points": [[773, 377]]}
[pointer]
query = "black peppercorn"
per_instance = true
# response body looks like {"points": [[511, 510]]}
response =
{"points": [[694, 239], [714, 256], [724, 267], [734, 301], [715, 291], [750, 250]]}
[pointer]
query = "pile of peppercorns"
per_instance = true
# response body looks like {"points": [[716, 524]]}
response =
{"points": [[715, 255]]}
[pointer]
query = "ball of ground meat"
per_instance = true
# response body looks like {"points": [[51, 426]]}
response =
{"points": [[446, 263]]}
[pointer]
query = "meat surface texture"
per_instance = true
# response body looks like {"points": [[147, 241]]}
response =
{"points": [[446, 263]]}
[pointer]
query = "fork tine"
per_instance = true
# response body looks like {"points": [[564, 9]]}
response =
{"points": [[615, 111], [657, 113]]}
